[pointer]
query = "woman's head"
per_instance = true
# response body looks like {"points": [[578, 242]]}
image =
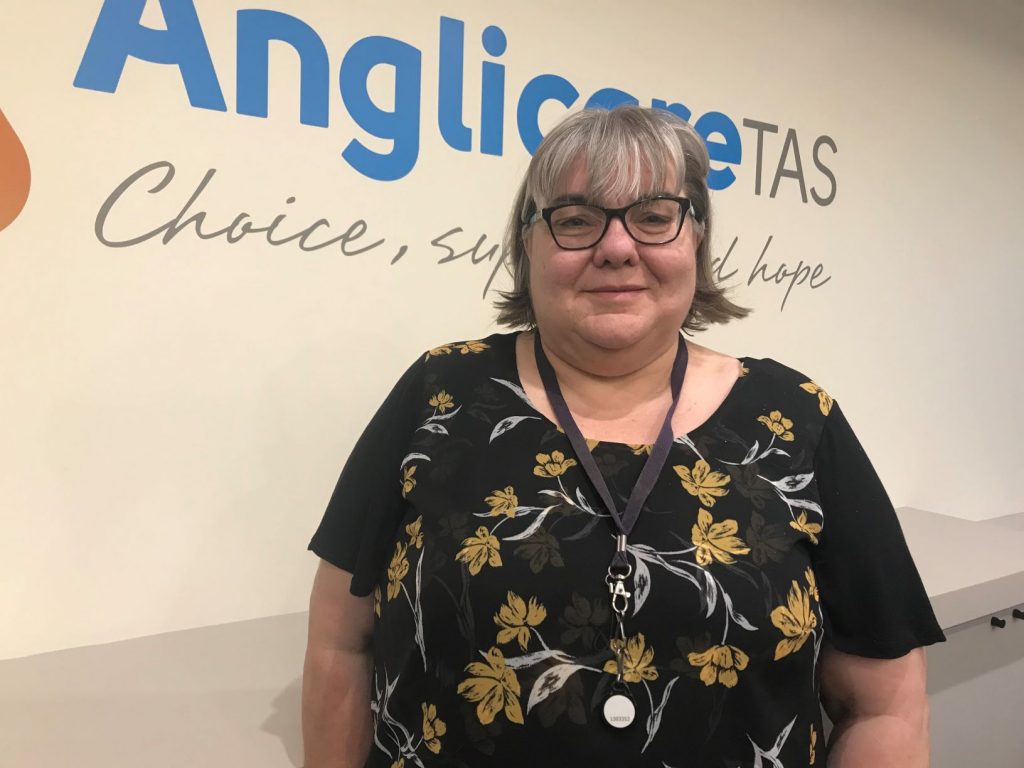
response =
{"points": [[612, 159]]}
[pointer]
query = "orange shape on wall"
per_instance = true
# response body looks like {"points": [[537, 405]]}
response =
{"points": [[15, 175]]}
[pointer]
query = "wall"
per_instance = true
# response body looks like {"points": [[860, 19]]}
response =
{"points": [[175, 411]]}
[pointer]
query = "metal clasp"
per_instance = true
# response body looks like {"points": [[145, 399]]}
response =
{"points": [[620, 596]]}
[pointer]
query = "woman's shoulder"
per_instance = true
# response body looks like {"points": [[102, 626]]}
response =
{"points": [[468, 357], [780, 387]]}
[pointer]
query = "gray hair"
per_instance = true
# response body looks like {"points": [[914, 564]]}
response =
{"points": [[622, 148]]}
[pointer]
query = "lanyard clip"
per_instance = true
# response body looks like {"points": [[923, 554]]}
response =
{"points": [[620, 597]]}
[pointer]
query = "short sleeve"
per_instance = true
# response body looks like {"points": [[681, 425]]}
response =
{"points": [[367, 505], [874, 602]]}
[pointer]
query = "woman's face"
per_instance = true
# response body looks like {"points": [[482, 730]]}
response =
{"points": [[616, 293]]}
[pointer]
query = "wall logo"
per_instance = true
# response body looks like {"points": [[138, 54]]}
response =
{"points": [[15, 175], [398, 124]]}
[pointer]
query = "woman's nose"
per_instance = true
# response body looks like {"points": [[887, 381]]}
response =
{"points": [[617, 247]]}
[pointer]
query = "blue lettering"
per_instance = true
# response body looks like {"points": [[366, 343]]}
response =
{"points": [[609, 98], [402, 125], [492, 94], [449, 87], [728, 151], [119, 34], [679, 110], [540, 89], [256, 28]]}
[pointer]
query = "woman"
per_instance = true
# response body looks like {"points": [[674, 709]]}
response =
{"points": [[595, 543]]}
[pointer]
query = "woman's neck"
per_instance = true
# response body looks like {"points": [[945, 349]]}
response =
{"points": [[606, 385]]}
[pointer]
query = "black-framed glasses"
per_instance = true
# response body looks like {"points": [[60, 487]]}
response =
{"points": [[651, 221]]}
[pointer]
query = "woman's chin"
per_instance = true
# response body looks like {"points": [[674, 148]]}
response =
{"points": [[614, 331]]}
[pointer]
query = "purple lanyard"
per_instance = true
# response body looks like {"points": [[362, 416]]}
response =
{"points": [[652, 468]]}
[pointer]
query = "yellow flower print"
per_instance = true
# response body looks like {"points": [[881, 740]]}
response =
{"points": [[442, 401], [702, 482], [516, 617], [399, 763], [477, 551], [743, 371], [471, 346], [433, 728], [812, 584], [778, 425], [444, 349], [503, 502], [716, 541], [591, 444], [640, 449], [811, 529], [814, 741], [397, 570], [824, 398], [552, 466], [415, 535], [636, 661], [719, 664], [495, 687], [408, 482], [795, 620], [376, 600]]}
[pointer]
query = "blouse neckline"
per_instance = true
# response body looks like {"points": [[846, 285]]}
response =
{"points": [[716, 415]]}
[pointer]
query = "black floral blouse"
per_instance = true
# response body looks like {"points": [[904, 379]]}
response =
{"points": [[464, 512]]}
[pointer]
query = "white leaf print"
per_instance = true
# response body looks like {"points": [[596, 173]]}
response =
{"points": [[550, 681], [531, 529], [654, 719], [393, 725], [793, 482], [805, 504], [557, 495], [413, 457], [641, 584], [710, 592], [751, 453], [520, 511], [685, 440], [584, 504], [650, 555], [770, 451], [437, 429], [515, 388], [417, 610], [640, 550], [817, 649], [736, 616], [390, 687], [772, 755], [506, 424], [529, 659], [445, 416]]}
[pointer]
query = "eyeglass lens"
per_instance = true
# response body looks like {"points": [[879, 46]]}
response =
{"points": [[651, 222]]}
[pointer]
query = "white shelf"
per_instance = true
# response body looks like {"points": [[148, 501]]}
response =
{"points": [[970, 569]]}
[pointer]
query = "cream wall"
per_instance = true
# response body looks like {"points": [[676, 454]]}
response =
{"points": [[174, 416]]}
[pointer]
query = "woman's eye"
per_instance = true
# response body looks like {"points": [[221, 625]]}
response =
{"points": [[573, 222]]}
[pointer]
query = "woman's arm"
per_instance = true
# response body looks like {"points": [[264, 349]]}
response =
{"points": [[879, 708], [337, 727]]}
